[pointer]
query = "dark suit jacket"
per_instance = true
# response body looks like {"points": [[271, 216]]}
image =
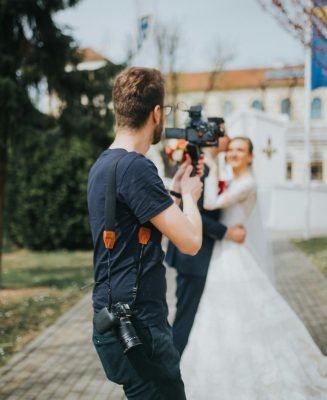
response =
{"points": [[212, 230]]}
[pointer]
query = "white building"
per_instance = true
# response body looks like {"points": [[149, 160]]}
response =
{"points": [[274, 90]]}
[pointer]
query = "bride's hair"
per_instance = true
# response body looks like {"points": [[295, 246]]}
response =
{"points": [[245, 139]]}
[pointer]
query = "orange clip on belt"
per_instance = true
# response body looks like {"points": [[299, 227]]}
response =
{"points": [[144, 235], [109, 238]]}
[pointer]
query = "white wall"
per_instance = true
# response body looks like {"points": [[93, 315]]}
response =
{"points": [[261, 127], [288, 205]]}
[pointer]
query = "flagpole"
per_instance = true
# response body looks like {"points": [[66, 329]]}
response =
{"points": [[136, 16], [307, 131]]}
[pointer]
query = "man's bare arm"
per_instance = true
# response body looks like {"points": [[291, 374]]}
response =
{"points": [[183, 228]]}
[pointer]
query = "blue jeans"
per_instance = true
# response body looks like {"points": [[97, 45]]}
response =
{"points": [[158, 345]]}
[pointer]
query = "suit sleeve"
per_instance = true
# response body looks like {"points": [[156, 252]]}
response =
{"points": [[213, 229]]}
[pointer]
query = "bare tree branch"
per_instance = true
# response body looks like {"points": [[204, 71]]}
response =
{"points": [[168, 43], [161, 38], [219, 60], [297, 16]]}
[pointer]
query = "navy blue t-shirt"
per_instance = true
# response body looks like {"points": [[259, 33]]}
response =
{"points": [[140, 195]]}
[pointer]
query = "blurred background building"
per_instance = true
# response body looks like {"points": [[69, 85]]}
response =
{"points": [[276, 91], [266, 104]]}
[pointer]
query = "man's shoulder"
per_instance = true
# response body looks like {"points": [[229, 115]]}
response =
{"points": [[133, 170], [125, 158], [138, 160], [136, 166]]}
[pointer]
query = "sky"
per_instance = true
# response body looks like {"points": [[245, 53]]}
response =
{"points": [[251, 36]]}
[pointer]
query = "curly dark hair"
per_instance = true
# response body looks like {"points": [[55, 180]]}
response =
{"points": [[136, 92]]}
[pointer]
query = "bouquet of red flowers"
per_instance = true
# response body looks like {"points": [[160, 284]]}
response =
{"points": [[176, 150]]}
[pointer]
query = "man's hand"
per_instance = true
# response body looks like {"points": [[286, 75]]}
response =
{"points": [[176, 185], [200, 166], [191, 184], [183, 228], [236, 233]]}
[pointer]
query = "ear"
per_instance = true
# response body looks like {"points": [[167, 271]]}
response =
{"points": [[157, 114]]}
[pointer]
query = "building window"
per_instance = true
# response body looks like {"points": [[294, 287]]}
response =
{"points": [[257, 104], [316, 170], [316, 106], [289, 170], [227, 108], [285, 107]]}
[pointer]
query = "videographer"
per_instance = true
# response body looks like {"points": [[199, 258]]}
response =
{"points": [[142, 200], [192, 271]]}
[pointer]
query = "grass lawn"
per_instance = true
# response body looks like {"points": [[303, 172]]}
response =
{"points": [[37, 287], [316, 249]]}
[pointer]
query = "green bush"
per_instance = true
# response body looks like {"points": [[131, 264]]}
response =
{"points": [[46, 206]]}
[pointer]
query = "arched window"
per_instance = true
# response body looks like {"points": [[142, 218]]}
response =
{"points": [[317, 166], [285, 106], [316, 106], [227, 108], [289, 167], [257, 104]]}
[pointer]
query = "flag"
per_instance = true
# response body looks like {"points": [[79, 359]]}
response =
{"points": [[319, 46], [144, 45], [143, 24], [318, 60]]}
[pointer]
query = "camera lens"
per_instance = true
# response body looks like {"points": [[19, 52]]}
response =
{"points": [[127, 334]]}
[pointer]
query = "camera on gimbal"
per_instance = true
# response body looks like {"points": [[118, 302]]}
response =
{"points": [[198, 133], [117, 319]]}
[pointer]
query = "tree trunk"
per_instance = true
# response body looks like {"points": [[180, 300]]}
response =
{"points": [[3, 172]]}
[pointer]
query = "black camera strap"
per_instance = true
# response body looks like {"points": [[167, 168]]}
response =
{"points": [[109, 236]]}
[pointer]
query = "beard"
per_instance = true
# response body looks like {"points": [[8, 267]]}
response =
{"points": [[157, 133]]}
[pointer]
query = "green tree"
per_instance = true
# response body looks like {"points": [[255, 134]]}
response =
{"points": [[33, 49], [46, 193]]}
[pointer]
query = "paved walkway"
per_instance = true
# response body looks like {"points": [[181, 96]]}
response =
{"points": [[61, 363], [304, 288]]}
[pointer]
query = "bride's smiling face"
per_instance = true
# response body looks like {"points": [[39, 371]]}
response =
{"points": [[239, 154]]}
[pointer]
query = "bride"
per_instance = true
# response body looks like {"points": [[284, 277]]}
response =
{"points": [[246, 342]]}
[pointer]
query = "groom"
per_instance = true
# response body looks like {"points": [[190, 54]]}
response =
{"points": [[192, 271]]}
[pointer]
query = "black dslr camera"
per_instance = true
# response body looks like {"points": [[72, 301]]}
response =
{"points": [[198, 133], [118, 320]]}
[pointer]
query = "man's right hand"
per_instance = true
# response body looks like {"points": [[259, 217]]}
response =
{"points": [[236, 233], [183, 228], [191, 184], [176, 183]]}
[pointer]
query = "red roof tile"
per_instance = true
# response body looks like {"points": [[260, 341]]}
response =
{"points": [[238, 79]]}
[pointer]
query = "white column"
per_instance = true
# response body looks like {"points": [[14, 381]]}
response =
{"points": [[307, 134]]}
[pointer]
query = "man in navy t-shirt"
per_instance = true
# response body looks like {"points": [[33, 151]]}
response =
{"points": [[141, 198]]}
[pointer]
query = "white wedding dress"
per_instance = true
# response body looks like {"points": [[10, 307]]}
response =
{"points": [[246, 342]]}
